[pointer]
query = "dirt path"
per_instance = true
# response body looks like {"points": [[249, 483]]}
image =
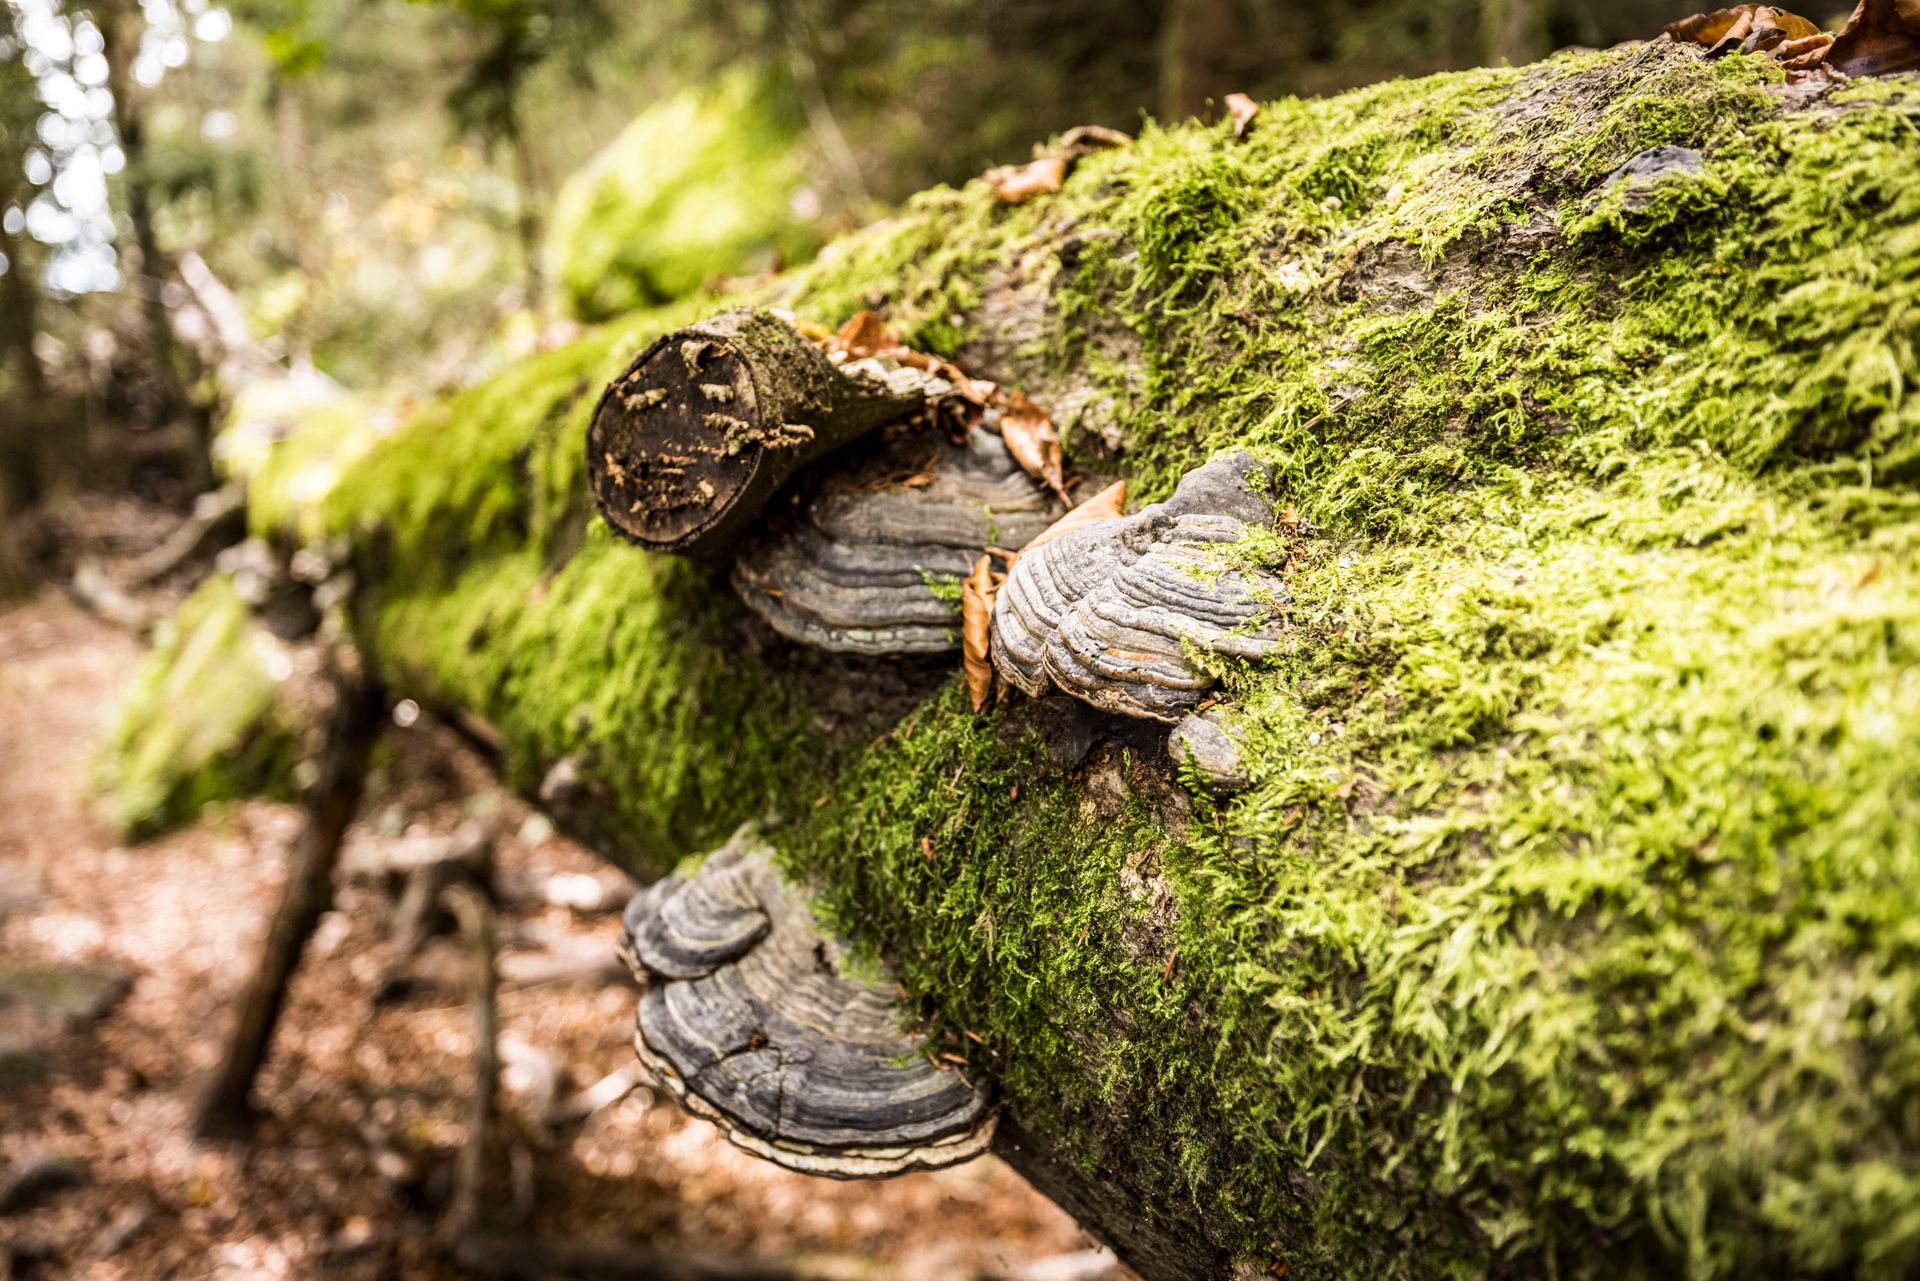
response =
{"points": [[175, 924]]}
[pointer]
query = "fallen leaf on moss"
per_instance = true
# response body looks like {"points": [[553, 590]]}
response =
{"points": [[1105, 505], [1879, 38], [976, 617], [1017, 184], [1082, 139], [865, 334], [1241, 110], [1750, 27], [1795, 53], [1033, 442]]}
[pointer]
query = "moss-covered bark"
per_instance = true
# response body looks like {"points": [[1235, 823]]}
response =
{"points": [[203, 721], [1567, 928]]}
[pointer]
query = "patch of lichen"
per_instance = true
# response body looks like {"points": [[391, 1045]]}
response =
{"points": [[201, 723], [1565, 926]]}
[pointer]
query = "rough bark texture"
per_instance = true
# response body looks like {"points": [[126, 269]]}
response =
{"points": [[1565, 925], [686, 447]]}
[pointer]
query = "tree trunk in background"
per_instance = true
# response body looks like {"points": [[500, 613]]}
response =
{"points": [[21, 318], [526, 219], [290, 123], [1513, 31], [20, 470], [120, 30], [1201, 45]]}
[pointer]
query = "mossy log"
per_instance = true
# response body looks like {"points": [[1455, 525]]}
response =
{"points": [[686, 446], [1565, 925]]}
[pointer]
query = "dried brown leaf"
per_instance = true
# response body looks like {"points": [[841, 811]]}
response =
{"points": [[1016, 184], [1879, 38], [1082, 139], [1792, 26], [865, 334], [976, 620], [1033, 442], [1751, 28], [1241, 110], [1707, 28], [1792, 51], [1105, 505]]}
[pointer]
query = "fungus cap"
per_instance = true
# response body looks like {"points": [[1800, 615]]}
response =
{"points": [[753, 1019], [1114, 612], [853, 565]]}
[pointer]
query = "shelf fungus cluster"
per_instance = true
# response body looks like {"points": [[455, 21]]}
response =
{"points": [[752, 1018], [1122, 613], [699, 448]]}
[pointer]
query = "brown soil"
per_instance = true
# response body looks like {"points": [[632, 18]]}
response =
{"points": [[312, 1195]]}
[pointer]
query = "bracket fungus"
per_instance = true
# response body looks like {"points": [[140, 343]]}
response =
{"points": [[854, 566], [753, 1018], [1115, 611]]}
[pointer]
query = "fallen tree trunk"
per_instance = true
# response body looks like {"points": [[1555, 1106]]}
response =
{"points": [[1565, 923]]}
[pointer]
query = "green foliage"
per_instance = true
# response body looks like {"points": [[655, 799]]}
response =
{"points": [[1566, 928], [702, 185], [202, 722]]}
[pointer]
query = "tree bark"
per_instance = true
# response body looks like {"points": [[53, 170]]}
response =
{"points": [[686, 447], [328, 806], [120, 28], [474, 911]]}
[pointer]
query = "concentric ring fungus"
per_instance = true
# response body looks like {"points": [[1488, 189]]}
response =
{"points": [[752, 1019], [853, 567], [1115, 612]]}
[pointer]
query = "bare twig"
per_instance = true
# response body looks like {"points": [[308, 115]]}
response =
{"points": [[474, 911], [215, 514]]}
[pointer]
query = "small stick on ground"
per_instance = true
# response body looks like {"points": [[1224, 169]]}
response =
{"points": [[216, 514], [468, 857], [226, 1109], [474, 911]]}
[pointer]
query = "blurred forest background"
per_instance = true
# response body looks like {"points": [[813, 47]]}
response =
{"points": [[394, 195]]}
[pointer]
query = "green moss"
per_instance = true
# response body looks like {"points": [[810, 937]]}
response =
{"points": [[201, 723], [624, 663], [708, 183], [1566, 926]]}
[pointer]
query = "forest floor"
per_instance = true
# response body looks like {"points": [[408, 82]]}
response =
{"points": [[118, 966]]}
